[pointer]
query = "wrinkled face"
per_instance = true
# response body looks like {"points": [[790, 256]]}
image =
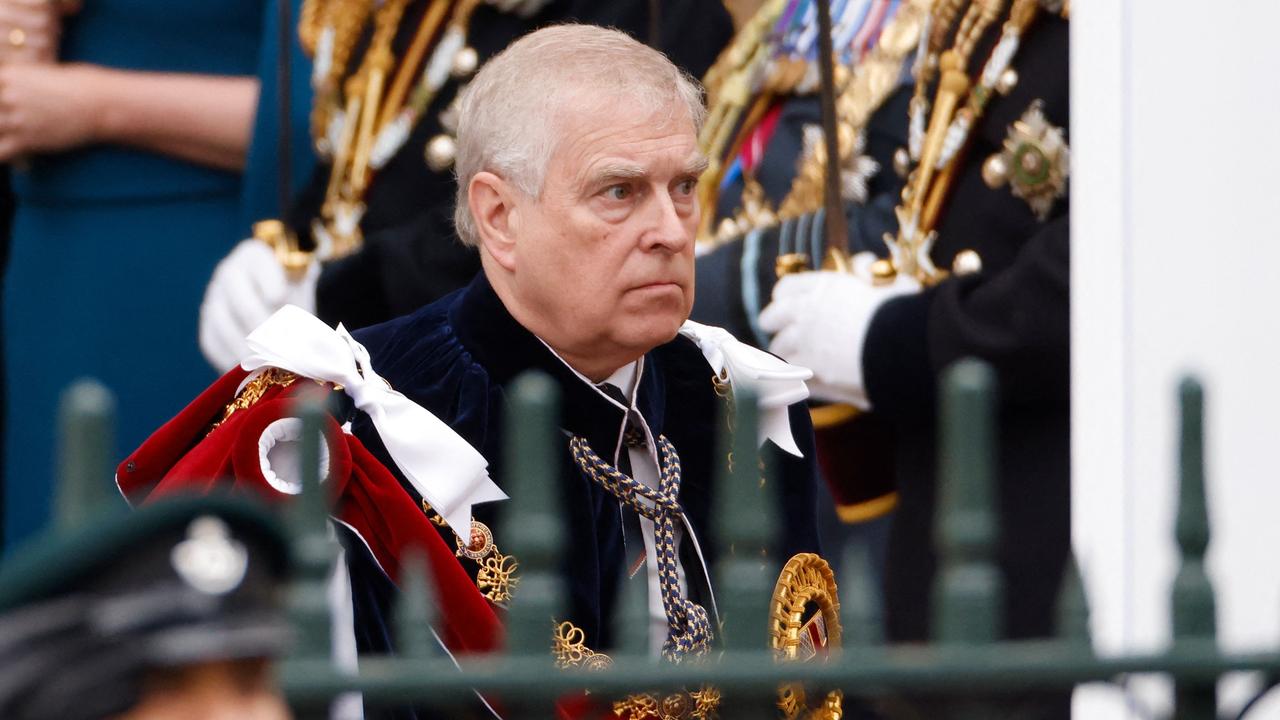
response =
{"points": [[605, 253]]}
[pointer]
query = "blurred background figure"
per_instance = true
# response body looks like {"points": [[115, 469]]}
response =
{"points": [[762, 203], [175, 611], [18, 18], [128, 124], [979, 267], [952, 131]]}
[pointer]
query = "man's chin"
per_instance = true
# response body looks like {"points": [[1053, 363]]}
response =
{"points": [[656, 329], [653, 315]]}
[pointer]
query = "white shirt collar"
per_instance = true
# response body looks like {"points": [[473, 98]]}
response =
{"points": [[625, 378]]}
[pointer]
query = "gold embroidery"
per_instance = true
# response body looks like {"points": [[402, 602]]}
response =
{"points": [[497, 577], [792, 700], [254, 390], [832, 708], [794, 704], [705, 701], [723, 388], [940, 132], [697, 705], [329, 31], [432, 515], [637, 707], [568, 646]]}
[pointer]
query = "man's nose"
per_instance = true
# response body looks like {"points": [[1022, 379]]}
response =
{"points": [[668, 229]]}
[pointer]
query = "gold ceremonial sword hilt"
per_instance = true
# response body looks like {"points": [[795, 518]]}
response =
{"points": [[284, 244]]}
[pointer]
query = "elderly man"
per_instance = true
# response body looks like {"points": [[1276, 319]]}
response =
{"points": [[583, 212], [577, 164]]}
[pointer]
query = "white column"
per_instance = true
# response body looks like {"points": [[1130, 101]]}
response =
{"points": [[1175, 268]]}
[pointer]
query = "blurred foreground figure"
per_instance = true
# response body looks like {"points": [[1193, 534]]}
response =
{"points": [[171, 612]]}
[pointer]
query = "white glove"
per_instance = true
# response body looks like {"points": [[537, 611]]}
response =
{"points": [[247, 287], [820, 321]]}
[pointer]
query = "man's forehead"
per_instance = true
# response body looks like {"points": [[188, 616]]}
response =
{"points": [[621, 137]]}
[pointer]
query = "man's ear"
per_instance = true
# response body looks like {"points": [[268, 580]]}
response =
{"points": [[491, 199]]}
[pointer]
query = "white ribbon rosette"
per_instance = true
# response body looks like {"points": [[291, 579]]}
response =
{"points": [[437, 462], [776, 383]]}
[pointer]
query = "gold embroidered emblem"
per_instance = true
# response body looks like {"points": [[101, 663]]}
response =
{"points": [[481, 543]]}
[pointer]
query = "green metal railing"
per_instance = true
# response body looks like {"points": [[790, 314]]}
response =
{"points": [[967, 660]]}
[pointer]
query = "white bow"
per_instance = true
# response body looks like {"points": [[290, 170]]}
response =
{"points": [[441, 466], [776, 384]]}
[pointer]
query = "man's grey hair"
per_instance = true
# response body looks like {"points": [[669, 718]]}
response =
{"points": [[508, 114]]}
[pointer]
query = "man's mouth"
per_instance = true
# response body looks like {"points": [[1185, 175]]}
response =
{"points": [[657, 284]]}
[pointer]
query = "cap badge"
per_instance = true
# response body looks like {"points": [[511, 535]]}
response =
{"points": [[210, 560]]}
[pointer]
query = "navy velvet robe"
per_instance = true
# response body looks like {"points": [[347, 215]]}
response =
{"points": [[457, 357]]}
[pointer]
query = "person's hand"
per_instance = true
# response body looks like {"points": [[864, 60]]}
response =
{"points": [[30, 30], [46, 108], [247, 287], [820, 321]]}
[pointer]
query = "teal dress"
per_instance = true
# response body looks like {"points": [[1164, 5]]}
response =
{"points": [[112, 248]]}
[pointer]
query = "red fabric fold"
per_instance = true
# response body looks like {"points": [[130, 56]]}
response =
{"points": [[183, 456]]}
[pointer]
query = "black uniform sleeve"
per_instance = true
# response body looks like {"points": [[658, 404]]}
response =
{"points": [[399, 269], [1016, 319], [1015, 313]]}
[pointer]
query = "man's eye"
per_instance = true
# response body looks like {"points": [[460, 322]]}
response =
{"points": [[686, 187], [618, 192]]}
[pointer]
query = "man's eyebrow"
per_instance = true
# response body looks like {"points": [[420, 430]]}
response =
{"points": [[614, 172], [697, 165]]}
